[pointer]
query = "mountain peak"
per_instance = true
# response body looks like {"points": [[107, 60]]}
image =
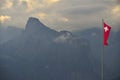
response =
{"points": [[33, 18], [34, 24]]}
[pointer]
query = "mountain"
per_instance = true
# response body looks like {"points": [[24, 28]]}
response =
{"points": [[112, 51], [8, 33], [94, 35], [41, 53], [34, 26]]}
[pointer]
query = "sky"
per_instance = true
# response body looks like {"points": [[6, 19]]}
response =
{"points": [[61, 14]]}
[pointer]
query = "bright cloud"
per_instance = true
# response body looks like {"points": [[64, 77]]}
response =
{"points": [[64, 19], [4, 18], [116, 10], [42, 15], [50, 2]]}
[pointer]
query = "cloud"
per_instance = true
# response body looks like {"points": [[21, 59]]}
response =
{"points": [[115, 14], [6, 4], [67, 37], [37, 4], [63, 14], [30, 4], [83, 10], [64, 37], [50, 2], [2, 2], [4, 18], [42, 15], [64, 19], [51, 17], [116, 9]]}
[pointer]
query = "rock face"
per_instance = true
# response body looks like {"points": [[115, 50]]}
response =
{"points": [[41, 53]]}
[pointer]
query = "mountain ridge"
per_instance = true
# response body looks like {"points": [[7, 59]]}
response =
{"points": [[38, 56]]}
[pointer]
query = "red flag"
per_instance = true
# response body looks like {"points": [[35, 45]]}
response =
{"points": [[107, 29]]}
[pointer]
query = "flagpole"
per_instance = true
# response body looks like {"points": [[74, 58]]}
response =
{"points": [[102, 52]]}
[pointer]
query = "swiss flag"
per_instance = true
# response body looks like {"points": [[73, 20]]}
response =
{"points": [[107, 29]]}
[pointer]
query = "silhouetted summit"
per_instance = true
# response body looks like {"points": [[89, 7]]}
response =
{"points": [[36, 29], [34, 23], [35, 26]]}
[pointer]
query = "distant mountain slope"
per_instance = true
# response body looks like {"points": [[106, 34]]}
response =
{"points": [[8, 33], [112, 51], [41, 53]]}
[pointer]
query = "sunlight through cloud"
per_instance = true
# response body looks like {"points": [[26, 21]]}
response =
{"points": [[116, 10], [64, 19], [50, 2], [4, 18], [41, 15]]}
